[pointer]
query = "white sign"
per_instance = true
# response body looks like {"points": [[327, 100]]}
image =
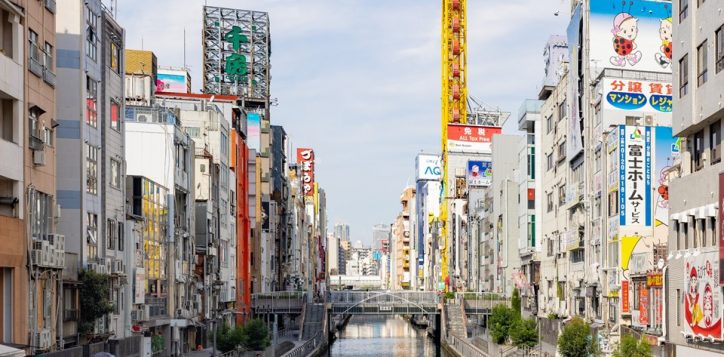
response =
{"points": [[428, 167], [635, 176]]}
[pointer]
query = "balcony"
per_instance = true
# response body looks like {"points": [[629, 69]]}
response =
{"points": [[49, 77], [50, 5], [157, 306]]}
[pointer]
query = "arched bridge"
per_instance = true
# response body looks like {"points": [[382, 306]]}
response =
{"points": [[383, 302]]}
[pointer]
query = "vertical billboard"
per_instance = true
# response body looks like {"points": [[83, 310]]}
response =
{"points": [[666, 150], [574, 144], [472, 139], [305, 160], [174, 81], [633, 34], [480, 173], [635, 176], [428, 167], [253, 131], [702, 302]]}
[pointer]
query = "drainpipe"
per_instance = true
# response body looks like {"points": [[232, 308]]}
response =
{"points": [[662, 339]]}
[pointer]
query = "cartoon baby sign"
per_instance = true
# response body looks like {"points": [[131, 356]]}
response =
{"points": [[631, 34], [702, 301]]}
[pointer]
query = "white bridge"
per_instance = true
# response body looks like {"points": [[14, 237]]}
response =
{"points": [[384, 302]]}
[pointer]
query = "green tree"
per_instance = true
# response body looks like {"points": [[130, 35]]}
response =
{"points": [[576, 339], [255, 335], [94, 299], [501, 319], [515, 301], [631, 347], [227, 339], [524, 332]]}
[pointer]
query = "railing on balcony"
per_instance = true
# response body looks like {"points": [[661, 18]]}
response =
{"points": [[35, 66], [49, 77]]}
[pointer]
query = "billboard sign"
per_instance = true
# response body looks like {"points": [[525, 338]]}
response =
{"points": [[635, 176], [634, 35], [702, 302], [428, 167], [636, 96], [666, 150], [480, 173], [574, 144], [175, 81], [625, 304], [475, 139], [253, 131], [305, 160]]}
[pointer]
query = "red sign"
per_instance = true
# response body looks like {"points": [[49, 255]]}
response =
{"points": [[721, 228], [531, 194], [654, 280], [471, 138], [305, 159], [644, 307], [625, 308]]}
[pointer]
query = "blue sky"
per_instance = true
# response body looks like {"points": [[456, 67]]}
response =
{"points": [[359, 80]]}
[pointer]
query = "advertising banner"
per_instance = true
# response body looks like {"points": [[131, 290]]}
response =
{"points": [[253, 131], [428, 167], [473, 139], [574, 144], [625, 305], [702, 302], [623, 96], [139, 292], [172, 81], [721, 227], [305, 160], [635, 176], [667, 148], [480, 173], [634, 35], [644, 307]]}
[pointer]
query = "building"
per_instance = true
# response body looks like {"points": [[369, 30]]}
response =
{"points": [[28, 195], [341, 233], [402, 259], [695, 186], [90, 150], [428, 209], [332, 255]]}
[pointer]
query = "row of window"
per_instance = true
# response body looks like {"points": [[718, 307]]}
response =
{"points": [[550, 163], [91, 42], [695, 233], [697, 146], [91, 166], [702, 67], [91, 108], [550, 124]]}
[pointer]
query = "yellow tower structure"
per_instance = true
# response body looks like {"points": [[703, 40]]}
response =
{"points": [[454, 100]]}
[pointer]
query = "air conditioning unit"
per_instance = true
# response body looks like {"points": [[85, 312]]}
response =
{"points": [[58, 241], [37, 257], [212, 252], [42, 339], [143, 118], [39, 158], [649, 120]]}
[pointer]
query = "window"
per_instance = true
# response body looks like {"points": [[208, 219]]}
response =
{"points": [[111, 233], [562, 110], [549, 245], [549, 201], [41, 214], [91, 39], [712, 231], [92, 236], [48, 56], [561, 151], [115, 116], [549, 124], [48, 136], [562, 195], [549, 161], [120, 236], [577, 255], [91, 166], [115, 57], [115, 173], [531, 163], [677, 234], [678, 307], [684, 232], [720, 49], [697, 152], [683, 9], [683, 75], [613, 203], [33, 41], [715, 142], [701, 55], [91, 101]]}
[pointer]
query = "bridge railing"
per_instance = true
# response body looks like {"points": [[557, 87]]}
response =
{"points": [[481, 301], [383, 297], [278, 301], [464, 347]]}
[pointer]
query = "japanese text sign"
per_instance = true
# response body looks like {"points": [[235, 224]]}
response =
{"points": [[635, 176], [305, 160], [471, 138]]}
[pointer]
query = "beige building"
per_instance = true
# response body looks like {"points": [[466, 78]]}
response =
{"points": [[401, 274], [28, 313]]}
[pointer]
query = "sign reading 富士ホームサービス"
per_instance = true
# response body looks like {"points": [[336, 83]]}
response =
{"points": [[471, 138], [305, 160], [635, 176], [428, 167], [480, 173]]}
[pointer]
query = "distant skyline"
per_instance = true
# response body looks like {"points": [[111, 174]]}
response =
{"points": [[362, 86]]}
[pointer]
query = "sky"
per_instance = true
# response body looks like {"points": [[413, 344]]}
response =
{"points": [[359, 80]]}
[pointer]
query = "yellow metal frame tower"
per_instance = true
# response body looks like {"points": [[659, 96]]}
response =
{"points": [[454, 99]]}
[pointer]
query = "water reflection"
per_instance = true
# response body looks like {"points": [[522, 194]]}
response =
{"points": [[383, 336]]}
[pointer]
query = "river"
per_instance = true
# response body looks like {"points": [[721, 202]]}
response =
{"points": [[381, 336]]}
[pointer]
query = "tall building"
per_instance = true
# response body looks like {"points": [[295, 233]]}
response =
{"points": [[332, 254], [28, 195], [341, 233], [427, 208], [403, 261], [90, 149], [693, 273]]}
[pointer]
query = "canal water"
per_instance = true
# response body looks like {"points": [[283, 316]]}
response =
{"points": [[383, 336]]}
